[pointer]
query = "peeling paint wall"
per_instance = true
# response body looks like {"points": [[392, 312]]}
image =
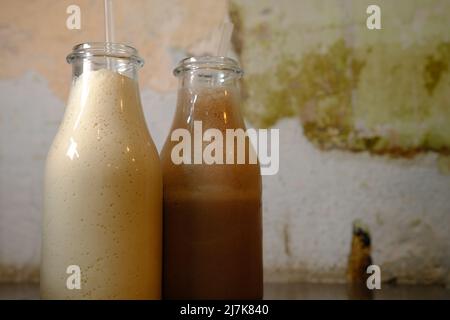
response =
{"points": [[385, 91], [364, 121]]}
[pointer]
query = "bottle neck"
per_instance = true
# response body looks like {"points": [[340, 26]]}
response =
{"points": [[120, 66], [116, 57], [209, 96], [208, 79], [104, 92]]}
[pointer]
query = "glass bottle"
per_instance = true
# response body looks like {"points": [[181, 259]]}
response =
{"points": [[212, 209], [102, 223]]}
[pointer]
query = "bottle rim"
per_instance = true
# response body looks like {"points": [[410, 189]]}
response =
{"points": [[208, 62], [105, 49]]}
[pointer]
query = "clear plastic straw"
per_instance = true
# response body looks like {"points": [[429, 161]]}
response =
{"points": [[225, 39], [109, 21], [109, 30]]}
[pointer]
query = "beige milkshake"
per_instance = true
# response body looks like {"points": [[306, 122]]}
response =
{"points": [[103, 192]]}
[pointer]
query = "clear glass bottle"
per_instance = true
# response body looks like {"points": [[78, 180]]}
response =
{"points": [[102, 223], [212, 212]]}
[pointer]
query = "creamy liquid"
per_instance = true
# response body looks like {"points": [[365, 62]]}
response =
{"points": [[212, 213], [103, 196]]}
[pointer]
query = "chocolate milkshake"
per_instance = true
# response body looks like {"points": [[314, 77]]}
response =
{"points": [[212, 212]]}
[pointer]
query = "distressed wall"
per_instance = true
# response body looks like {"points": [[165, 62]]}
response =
{"points": [[364, 118], [364, 121], [353, 88]]}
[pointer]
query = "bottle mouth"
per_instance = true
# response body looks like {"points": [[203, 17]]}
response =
{"points": [[208, 62], [105, 49]]}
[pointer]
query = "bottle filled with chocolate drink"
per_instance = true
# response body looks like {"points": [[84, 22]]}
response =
{"points": [[212, 231]]}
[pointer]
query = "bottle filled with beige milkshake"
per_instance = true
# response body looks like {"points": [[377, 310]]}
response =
{"points": [[102, 223], [212, 209]]}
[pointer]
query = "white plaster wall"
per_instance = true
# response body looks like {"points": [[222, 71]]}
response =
{"points": [[29, 117], [311, 203]]}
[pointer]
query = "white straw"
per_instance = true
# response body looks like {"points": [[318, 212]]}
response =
{"points": [[224, 45], [109, 21]]}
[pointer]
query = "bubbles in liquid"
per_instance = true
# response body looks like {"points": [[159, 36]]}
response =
{"points": [[96, 198]]}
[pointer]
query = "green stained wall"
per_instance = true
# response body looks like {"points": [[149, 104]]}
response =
{"points": [[385, 91]]}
